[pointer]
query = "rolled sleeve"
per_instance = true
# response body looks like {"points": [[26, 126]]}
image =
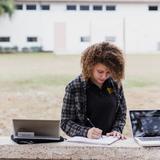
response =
{"points": [[68, 115]]}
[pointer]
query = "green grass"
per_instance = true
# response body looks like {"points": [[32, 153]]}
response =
{"points": [[38, 81], [28, 81], [140, 83], [58, 80], [47, 69], [37, 70]]}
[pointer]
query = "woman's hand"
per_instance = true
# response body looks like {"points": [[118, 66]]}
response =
{"points": [[94, 133], [116, 134]]}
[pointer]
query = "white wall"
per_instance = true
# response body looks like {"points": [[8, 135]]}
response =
{"points": [[136, 29]]}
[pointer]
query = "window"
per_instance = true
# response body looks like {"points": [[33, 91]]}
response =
{"points": [[71, 7], [31, 39], [45, 7], [19, 6], [110, 39], [153, 8], [31, 7], [85, 39], [110, 8], [97, 7], [84, 7], [4, 39]]}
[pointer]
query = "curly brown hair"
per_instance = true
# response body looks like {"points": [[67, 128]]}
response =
{"points": [[107, 54]]}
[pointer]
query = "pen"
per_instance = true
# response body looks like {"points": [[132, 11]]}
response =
{"points": [[91, 124]]}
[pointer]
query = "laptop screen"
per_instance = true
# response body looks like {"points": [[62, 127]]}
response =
{"points": [[145, 123], [37, 127]]}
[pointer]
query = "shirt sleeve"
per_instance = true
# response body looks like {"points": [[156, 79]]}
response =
{"points": [[120, 119], [68, 116]]}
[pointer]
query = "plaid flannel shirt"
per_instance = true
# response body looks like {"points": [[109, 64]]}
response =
{"points": [[73, 115]]}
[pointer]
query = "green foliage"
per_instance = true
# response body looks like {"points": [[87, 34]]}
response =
{"points": [[13, 49], [6, 6]]}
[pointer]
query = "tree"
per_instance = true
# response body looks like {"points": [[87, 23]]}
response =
{"points": [[6, 6]]}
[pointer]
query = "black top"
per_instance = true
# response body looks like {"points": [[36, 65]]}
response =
{"points": [[101, 106], [73, 114]]}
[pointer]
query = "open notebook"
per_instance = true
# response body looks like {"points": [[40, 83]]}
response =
{"points": [[104, 140]]}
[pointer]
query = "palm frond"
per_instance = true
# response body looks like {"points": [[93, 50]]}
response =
{"points": [[6, 6]]}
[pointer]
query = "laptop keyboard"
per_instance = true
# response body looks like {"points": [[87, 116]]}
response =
{"points": [[149, 138]]}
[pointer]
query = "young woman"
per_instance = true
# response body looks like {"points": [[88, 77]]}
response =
{"points": [[94, 103]]}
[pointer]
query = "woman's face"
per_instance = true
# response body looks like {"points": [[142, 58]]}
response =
{"points": [[100, 73]]}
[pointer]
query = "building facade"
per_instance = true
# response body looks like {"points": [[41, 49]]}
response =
{"points": [[69, 26]]}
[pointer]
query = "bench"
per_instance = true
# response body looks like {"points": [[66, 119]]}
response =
{"points": [[121, 150]]}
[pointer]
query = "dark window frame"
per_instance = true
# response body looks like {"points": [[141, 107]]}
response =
{"points": [[85, 39], [5, 39], [19, 6], [97, 7], [153, 7], [32, 39], [110, 7], [31, 7], [71, 7], [84, 8], [45, 7]]}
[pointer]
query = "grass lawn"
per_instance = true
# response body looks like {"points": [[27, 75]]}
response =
{"points": [[32, 85]]}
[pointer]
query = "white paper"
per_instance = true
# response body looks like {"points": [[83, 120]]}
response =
{"points": [[105, 140]]}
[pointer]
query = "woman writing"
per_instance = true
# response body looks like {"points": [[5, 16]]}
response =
{"points": [[94, 103]]}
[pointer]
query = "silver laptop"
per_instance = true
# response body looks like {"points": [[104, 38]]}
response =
{"points": [[36, 129], [146, 126]]}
